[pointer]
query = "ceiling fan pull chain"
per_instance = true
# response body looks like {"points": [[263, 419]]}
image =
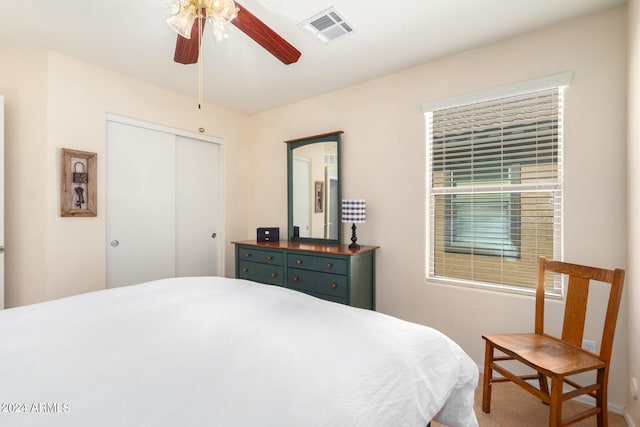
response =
{"points": [[200, 18]]}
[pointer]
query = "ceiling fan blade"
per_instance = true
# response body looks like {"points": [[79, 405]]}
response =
{"points": [[187, 49], [265, 36]]}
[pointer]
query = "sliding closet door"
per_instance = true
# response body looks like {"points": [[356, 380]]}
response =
{"points": [[163, 204], [197, 207], [140, 205]]}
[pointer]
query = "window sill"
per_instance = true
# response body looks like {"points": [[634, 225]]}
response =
{"points": [[491, 287]]}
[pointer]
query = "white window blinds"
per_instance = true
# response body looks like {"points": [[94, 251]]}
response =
{"points": [[494, 189]]}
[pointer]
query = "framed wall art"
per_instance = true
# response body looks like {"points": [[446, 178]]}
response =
{"points": [[78, 183], [319, 196]]}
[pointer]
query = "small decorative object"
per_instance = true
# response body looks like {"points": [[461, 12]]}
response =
{"points": [[319, 196], [78, 183], [268, 234], [354, 211]]}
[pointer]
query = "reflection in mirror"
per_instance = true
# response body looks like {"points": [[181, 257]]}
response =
{"points": [[314, 188], [314, 178]]}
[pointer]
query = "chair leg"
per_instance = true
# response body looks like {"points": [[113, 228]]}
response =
{"points": [[555, 405], [544, 386], [486, 380], [601, 399]]}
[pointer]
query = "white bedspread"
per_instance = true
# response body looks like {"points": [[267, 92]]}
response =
{"points": [[225, 353]]}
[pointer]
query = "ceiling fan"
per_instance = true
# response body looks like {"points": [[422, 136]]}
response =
{"points": [[189, 17]]}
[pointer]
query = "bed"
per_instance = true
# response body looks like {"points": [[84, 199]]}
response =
{"points": [[225, 352]]}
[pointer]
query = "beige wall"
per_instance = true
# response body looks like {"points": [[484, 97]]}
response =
{"points": [[23, 82], [53, 101], [384, 163], [633, 196]]}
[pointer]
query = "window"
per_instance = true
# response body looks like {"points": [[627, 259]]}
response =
{"points": [[494, 185], [483, 224]]}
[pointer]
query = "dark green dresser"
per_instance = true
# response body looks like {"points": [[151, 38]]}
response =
{"points": [[329, 271]]}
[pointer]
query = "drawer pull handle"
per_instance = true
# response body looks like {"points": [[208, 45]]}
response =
{"points": [[299, 262], [248, 254], [295, 278], [333, 286], [269, 258], [329, 265], [273, 274], [245, 269]]}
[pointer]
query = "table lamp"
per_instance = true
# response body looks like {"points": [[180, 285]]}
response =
{"points": [[354, 211]]}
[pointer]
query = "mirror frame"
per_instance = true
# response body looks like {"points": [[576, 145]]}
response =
{"points": [[292, 145]]}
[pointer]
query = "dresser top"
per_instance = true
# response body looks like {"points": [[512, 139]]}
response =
{"points": [[322, 248]]}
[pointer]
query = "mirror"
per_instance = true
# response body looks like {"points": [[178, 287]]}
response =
{"points": [[313, 188]]}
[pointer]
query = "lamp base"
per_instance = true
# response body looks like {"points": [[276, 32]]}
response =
{"points": [[353, 244]]}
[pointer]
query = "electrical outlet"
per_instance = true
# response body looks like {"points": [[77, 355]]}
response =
{"points": [[589, 345]]}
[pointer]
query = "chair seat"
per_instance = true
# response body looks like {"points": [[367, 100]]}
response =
{"points": [[546, 354]]}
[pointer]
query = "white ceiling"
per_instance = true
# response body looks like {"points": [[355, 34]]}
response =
{"points": [[132, 38]]}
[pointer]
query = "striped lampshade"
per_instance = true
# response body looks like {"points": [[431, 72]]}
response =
{"points": [[354, 210]]}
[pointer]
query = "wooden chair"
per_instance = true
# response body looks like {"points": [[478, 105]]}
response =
{"points": [[558, 358]]}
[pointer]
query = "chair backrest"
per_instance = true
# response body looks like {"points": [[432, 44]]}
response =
{"points": [[579, 277]]}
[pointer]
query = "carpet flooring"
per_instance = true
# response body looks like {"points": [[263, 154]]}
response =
{"points": [[511, 406]]}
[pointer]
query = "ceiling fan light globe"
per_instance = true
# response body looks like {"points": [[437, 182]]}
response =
{"points": [[182, 23], [223, 10]]}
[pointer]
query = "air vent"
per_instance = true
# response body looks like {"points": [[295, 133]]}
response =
{"points": [[332, 159], [328, 25]]}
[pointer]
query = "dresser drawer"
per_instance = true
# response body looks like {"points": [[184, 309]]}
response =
{"points": [[339, 300], [328, 271], [317, 263], [258, 272], [316, 282], [260, 255]]}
